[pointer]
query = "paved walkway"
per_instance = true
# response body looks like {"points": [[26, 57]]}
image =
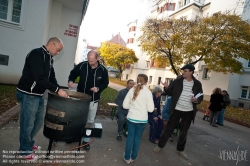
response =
{"points": [[205, 145]]}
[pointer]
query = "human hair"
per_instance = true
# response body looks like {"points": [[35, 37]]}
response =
{"points": [[93, 51], [217, 91], [225, 92], [129, 80], [54, 40], [142, 79], [157, 89]]}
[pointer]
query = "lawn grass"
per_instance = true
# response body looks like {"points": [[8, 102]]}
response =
{"points": [[118, 81], [7, 97], [107, 96]]}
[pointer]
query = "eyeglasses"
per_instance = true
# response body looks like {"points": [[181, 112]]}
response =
{"points": [[57, 49]]}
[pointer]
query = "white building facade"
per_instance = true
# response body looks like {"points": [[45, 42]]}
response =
{"points": [[238, 86], [28, 24]]}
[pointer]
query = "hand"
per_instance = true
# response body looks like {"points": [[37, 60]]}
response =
{"points": [[94, 89], [160, 116], [62, 93], [165, 122], [164, 84], [193, 99], [155, 118], [71, 84]]}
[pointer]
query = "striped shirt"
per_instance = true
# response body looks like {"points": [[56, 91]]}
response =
{"points": [[184, 103]]}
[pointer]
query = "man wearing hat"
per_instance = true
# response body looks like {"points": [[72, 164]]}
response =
{"points": [[183, 106]]}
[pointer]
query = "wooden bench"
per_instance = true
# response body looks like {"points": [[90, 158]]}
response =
{"points": [[113, 109]]}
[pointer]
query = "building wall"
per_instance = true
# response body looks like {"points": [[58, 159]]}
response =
{"points": [[17, 43], [40, 20], [64, 62]]}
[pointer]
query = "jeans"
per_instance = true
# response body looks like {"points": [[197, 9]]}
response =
{"points": [[133, 141], [213, 117], [31, 120], [91, 116], [121, 114], [186, 119], [220, 118]]}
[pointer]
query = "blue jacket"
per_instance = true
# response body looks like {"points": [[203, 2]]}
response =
{"points": [[166, 109]]}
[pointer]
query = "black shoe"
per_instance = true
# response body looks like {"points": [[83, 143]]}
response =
{"points": [[86, 147], [119, 137], [204, 117], [170, 139]]}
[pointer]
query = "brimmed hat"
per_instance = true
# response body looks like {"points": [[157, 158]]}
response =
{"points": [[188, 66]]}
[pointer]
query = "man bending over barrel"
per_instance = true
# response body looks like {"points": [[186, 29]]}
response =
{"points": [[37, 76]]}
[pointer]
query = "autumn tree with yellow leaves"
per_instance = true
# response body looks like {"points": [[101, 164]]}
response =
{"points": [[117, 55], [220, 41]]}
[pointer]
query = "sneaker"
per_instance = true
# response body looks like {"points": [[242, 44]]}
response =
{"points": [[131, 161], [214, 125], [170, 139], [119, 137], [156, 149], [182, 154], [127, 161], [86, 147], [35, 147], [155, 141], [31, 157]]}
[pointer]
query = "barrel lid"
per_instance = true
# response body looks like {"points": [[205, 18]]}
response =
{"points": [[73, 95]]}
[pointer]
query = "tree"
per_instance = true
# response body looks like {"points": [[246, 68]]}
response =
{"points": [[219, 40], [117, 55]]}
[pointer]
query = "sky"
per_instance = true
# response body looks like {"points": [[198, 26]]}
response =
{"points": [[106, 17]]}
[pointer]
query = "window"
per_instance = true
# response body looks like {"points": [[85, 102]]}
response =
{"points": [[241, 105], [159, 81], [150, 79], [171, 7], [168, 80], [206, 73], [187, 2], [248, 65], [10, 10], [126, 76], [245, 92], [12, 13], [148, 63]]}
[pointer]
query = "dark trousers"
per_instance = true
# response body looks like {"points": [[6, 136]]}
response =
{"points": [[172, 123], [155, 129], [121, 115]]}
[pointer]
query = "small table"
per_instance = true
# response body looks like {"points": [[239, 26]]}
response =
{"points": [[113, 109]]}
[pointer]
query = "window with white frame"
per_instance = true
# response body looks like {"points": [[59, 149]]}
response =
{"points": [[206, 73], [150, 79], [10, 10], [248, 65], [245, 92]]}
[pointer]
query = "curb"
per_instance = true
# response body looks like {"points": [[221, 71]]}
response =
{"points": [[6, 117]]}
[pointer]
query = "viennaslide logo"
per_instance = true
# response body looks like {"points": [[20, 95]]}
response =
{"points": [[233, 155]]}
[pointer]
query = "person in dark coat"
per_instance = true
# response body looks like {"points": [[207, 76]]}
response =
{"points": [[220, 118], [216, 101], [186, 92]]}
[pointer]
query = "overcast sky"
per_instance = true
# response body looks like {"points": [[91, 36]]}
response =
{"points": [[107, 17]]}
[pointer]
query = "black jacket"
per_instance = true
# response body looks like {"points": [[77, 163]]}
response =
{"points": [[38, 73], [216, 101], [175, 90], [90, 78]]}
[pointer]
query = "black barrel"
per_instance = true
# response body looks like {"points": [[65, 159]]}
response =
{"points": [[66, 118]]}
